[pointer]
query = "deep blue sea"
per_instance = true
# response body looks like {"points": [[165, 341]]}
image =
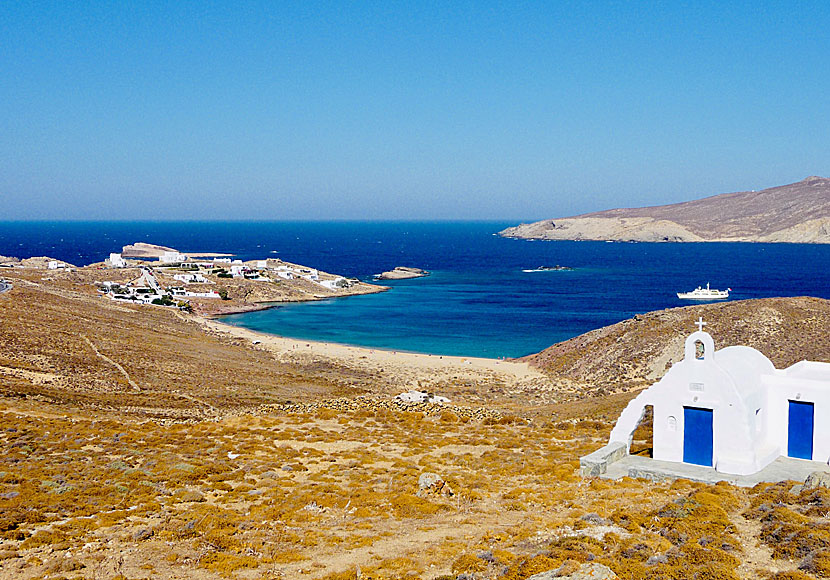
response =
{"points": [[478, 301]]}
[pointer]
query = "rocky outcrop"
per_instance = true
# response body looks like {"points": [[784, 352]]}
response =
{"points": [[433, 484], [591, 571], [402, 273], [43, 262], [144, 250], [639, 229], [795, 213]]}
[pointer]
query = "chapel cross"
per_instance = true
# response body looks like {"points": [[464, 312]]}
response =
{"points": [[700, 324]]}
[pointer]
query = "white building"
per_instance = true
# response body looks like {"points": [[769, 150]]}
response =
{"points": [[210, 294], [285, 272], [310, 275], [194, 278], [172, 258], [731, 409], [116, 261], [338, 282]]}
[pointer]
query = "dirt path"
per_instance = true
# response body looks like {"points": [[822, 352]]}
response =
{"points": [[102, 356], [404, 540], [757, 555]]}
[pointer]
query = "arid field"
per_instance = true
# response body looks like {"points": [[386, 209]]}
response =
{"points": [[141, 442]]}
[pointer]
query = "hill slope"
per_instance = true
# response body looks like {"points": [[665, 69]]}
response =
{"points": [[798, 212], [635, 353]]}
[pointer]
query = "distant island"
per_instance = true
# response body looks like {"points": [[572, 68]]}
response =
{"points": [[794, 213], [402, 273]]}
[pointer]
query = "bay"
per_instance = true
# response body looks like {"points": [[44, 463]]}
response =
{"points": [[477, 301]]}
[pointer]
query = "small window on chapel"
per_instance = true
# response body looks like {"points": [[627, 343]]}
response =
{"points": [[700, 350]]}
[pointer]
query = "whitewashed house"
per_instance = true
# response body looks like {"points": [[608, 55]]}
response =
{"points": [[310, 274], [731, 409], [338, 282], [172, 258], [116, 261], [191, 278], [285, 272], [210, 294]]}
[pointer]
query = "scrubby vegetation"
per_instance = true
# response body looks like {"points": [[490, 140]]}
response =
{"points": [[136, 444], [335, 495]]}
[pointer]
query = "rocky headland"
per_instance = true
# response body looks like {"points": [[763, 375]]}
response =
{"points": [[402, 273], [795, 213], [143, 251]]}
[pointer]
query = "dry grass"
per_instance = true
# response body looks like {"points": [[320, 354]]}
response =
{"points": [[319, 496], [50, 332]]}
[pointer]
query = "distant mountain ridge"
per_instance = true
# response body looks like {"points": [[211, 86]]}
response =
{"points": [[796, 213]]}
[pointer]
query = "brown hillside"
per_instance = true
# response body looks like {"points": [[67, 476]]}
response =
{"points": [[635, 353], [62, 343], [746, 213], [794, 213]]}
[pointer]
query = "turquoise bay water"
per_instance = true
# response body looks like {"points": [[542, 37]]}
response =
{"points": [[478, 301]]}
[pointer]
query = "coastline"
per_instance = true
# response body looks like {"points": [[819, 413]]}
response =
{"points": [[268, 304], [407, 366]]}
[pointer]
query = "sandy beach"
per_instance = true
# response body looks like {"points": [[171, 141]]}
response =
{"points": [[401, 370]]}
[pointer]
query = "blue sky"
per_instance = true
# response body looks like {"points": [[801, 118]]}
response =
{"points": [[393, 110]]}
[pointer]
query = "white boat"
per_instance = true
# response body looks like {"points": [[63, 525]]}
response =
{"points": [[707, 293], [556, 268]]}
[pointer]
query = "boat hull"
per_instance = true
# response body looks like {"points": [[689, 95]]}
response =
{"points": [[710, 295]]}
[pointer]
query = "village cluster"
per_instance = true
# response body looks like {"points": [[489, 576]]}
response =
{"points": [[147, 289]]}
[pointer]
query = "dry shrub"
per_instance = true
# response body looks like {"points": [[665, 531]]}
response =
{"points": [[56, 539], [791, 575], [467, 563], [817, 563], [528, 567], [449, 417], [326, 414], [406, 505], [701, 514], [225, 564]]}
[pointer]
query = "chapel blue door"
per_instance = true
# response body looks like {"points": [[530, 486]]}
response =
{"points": [[800, 430], [697, 436]]}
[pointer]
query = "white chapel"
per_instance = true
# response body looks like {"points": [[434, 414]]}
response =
{"points": [[732, 410]]}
